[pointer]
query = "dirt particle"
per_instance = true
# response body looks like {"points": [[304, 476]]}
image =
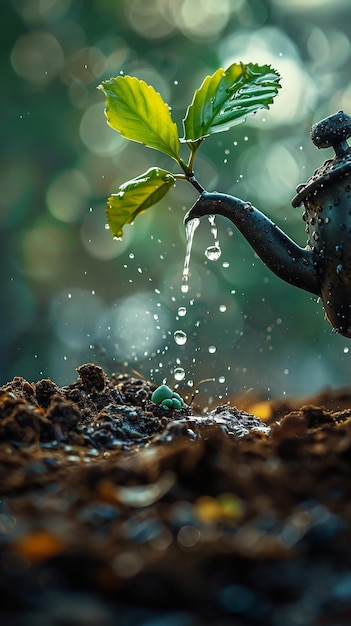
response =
{"points": [[93, 377]]}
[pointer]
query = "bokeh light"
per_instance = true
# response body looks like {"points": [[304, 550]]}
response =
{"points": [[130, 328], [67, 195], [96, 135], [37, 57], [73, 317]]}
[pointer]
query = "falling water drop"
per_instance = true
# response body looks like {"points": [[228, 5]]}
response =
{"points": [[185, 287], [182, 311], [212, 349], [213, 253], [179, 373], [180, 337]]}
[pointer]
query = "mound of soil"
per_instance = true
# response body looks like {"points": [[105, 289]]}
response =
{"points": [[116, 511]]}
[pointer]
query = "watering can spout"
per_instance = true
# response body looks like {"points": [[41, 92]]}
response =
{"points": [[279, 253]]}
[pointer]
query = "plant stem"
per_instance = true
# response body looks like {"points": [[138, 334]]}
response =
{"points": [[191, 179], [193, 147], [186, 169], [189, 174], [195, 183]]}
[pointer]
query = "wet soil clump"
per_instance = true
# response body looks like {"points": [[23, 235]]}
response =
{"points": [[114, 510]]}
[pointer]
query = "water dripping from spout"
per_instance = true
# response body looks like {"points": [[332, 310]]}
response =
{"points": [[190, 229], [213, 252]]}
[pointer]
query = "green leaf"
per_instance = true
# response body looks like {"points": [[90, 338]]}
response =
{"points": [[227, 97], [139, 113], [135, 196]]}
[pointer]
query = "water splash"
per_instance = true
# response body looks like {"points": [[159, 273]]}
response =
{"points": [[190, 229]]}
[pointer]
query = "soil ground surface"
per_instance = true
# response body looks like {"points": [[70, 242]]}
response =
{"points": [[115, 511]]}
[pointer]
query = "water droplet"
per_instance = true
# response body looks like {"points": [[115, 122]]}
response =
{"points": [[346, 350], [182, 311], [185, 287], [225, 264], [180, 337], [221, 379], [212, 349], [131, 255], [213, 253], [179, 373], [222, 308]]}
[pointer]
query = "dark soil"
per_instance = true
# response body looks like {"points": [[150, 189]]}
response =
{"points": [[114, 511]]}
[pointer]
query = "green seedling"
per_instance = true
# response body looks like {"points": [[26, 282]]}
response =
{"points": [[168, 399], [139, 113]]}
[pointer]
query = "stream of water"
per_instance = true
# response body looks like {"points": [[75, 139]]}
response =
{"points": [[213, 253], [190, 229]]}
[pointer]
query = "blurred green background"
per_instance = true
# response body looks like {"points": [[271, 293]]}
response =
{"points": [[69, 292]]}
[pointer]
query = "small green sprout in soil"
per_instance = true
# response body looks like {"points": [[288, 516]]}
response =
{"points": [[168, 399], [139, 113]]}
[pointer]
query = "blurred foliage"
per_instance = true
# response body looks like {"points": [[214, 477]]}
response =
{"points": [[71, 293]]}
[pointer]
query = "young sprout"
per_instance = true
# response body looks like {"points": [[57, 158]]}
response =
{"points": [[168, 399]]}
